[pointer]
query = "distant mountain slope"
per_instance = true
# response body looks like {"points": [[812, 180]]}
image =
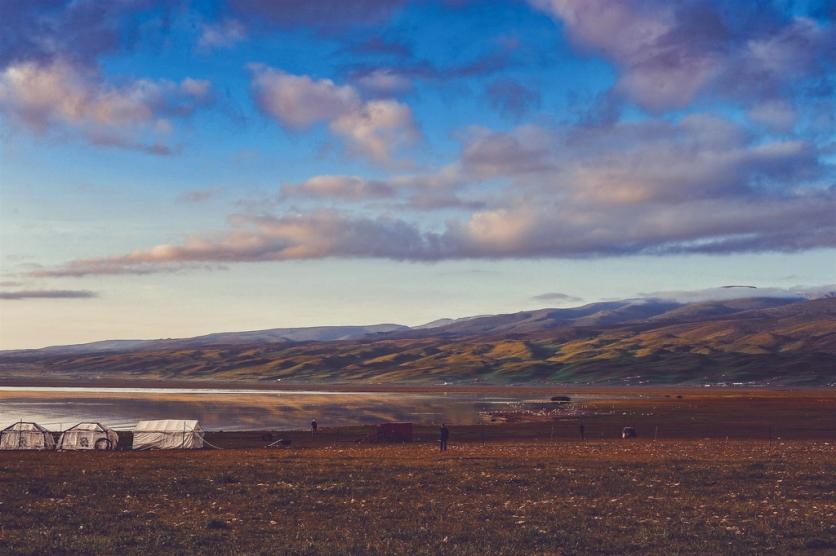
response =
{"points": [[274, 335], [608, 313], [527, 322], [310, 334], [715, 309], [764, 341]]}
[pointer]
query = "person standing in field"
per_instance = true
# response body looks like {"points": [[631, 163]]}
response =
{"points": [[582, 431], [444, 434], [313, 427]]}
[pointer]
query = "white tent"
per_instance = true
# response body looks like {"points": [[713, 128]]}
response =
{"points": [[88, 436], [26, 436], [168, 434]]}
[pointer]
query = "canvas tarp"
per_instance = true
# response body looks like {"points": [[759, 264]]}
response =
{"points": [[26, 436], [168, 434], [88, 436]]}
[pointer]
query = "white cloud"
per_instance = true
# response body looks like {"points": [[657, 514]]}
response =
{"points": [[297, 101], [61, 96], [378, 129], [222, 34], [375, 129]]}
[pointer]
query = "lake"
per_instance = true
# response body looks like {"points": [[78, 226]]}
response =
{"points": [[242, 409]]}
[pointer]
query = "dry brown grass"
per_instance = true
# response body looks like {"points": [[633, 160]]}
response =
{"points": [[504, 497]]}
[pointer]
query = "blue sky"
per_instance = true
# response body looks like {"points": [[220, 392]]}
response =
{"points": [[170, 169]]}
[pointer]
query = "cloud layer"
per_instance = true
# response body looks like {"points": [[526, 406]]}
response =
{"points": [[47, 294], [714, 137], [699, 184]]}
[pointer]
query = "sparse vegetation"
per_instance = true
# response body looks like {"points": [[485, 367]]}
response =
{"points": [[732, 472], [511, 497], [792, 344]]}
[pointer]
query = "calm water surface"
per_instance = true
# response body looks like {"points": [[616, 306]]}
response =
{"points": [[230, 409]]}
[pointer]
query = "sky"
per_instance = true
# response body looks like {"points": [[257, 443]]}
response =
{"points": [[169, 169]]}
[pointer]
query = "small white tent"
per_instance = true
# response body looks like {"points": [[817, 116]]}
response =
{"points": [[88, 436], [168, 434], [26, 436]]}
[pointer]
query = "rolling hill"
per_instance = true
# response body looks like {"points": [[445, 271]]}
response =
{"points": [[756, 340]]}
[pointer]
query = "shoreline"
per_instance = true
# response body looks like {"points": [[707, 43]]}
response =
{"points": [[393, 387]]}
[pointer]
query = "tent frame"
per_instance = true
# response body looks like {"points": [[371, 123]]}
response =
{"points": [[38, 430], [102, 429], [197, 431]]}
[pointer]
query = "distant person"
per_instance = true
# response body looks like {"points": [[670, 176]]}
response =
{"points": [[313, 427], [582, 430], [444, 434]]}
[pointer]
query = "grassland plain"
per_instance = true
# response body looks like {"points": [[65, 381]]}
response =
{"points": [[500, 497], [731, 472]]}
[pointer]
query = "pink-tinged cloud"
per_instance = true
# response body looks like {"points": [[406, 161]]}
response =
{"points": [[339, 187], [60, 96], [254, 239], [701, 226], [378, 129], [696, 185], [527, 230], [375, 129], [298, 101], [415, 191]]}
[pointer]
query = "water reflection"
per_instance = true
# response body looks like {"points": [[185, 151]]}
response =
{"points": [[240, 409]]}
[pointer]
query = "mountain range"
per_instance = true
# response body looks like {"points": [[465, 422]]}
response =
{"points": [[768, 340]]}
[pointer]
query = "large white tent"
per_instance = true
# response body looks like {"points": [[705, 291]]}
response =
{"points": [[168, 434], [26, 436], [88, 436]]}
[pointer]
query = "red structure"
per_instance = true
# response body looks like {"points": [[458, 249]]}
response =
{"points": [[393, 432]]}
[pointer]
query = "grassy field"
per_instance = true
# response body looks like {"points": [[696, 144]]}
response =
{"points": [[504, 496], [731, 472]]}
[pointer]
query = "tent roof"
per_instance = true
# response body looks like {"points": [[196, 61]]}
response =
{"points": [[25, 426], [167, 425], [88, 427]]}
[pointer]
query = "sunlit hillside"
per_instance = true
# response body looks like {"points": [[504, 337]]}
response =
{"points": [[757, 341]]}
